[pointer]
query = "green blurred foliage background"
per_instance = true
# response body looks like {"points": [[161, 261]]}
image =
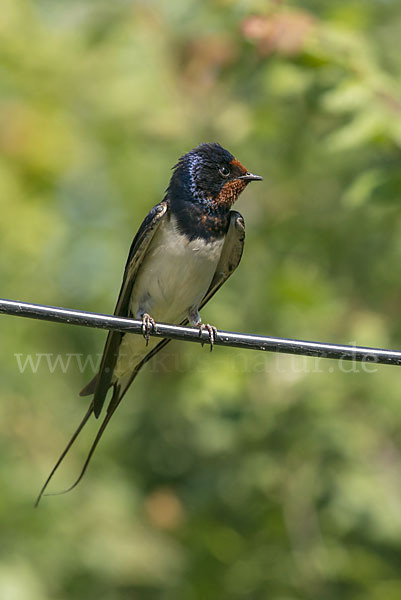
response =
{"points": [[233, 475]]}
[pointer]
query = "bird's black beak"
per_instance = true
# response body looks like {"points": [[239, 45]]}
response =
{"points": [[250, 177]]}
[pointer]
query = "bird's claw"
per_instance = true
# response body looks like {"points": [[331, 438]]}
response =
{"points": [[212, 331], [148, 324]]}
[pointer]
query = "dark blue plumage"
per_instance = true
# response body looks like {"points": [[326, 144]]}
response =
{"points": [[196, 191]]}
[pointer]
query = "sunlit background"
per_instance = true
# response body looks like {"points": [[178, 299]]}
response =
{"points": [[231, 475]]}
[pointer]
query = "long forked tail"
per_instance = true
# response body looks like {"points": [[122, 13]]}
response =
{"points": [[115, 401], [118, 394], [64, 453]]}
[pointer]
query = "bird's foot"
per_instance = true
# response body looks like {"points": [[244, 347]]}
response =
{"points": [[148, 324], [212, 331]]}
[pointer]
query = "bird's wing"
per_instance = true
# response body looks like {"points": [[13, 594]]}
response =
{"points": [[230, 255], [229, 261], [136, 255]]}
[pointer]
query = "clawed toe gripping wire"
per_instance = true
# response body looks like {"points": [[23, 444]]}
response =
{"points": [[212, 333]]}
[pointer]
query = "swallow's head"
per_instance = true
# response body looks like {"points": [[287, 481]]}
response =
{"points": [[209, 174]]}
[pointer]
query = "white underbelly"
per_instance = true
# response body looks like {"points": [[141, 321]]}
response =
{"points": [[173, 279]]}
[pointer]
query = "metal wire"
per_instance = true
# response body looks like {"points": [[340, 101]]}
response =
{"points": [[189, 334]]}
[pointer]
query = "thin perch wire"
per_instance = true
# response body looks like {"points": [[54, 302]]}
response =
{"points": [[189, 334]]}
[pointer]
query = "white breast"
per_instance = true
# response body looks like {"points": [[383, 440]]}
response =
{"points": [[175, 274], [174, 277]]}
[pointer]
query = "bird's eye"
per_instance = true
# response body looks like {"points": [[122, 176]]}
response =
{"points": [[224, 171]]}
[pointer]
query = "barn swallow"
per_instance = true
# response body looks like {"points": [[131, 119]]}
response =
{"points": [[186, 248]]}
